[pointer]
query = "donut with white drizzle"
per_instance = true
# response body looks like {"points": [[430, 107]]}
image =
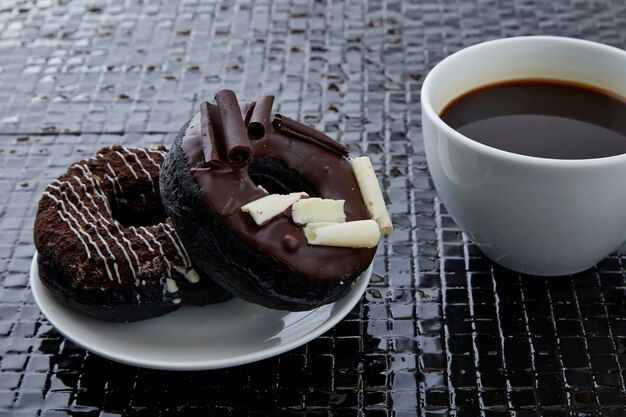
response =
{"points": [[105, 246], [222, 160]]}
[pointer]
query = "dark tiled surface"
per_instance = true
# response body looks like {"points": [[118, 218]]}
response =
{"points": [[441, 330]]}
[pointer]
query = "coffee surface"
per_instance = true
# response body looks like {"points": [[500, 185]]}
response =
{"points": [[542, 118]]}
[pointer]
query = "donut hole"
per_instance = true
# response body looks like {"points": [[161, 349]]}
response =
{"points": [[277, 178], [138, 211]]}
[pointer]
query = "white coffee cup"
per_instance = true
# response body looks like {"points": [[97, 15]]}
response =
{"points": [[533, 215]]}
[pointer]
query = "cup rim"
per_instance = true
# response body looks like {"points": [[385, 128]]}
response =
{"points": [[500, 153]]}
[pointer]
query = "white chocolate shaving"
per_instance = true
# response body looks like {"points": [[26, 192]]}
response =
{"points": [[358, 234], [266, 208], [371, 192], [315, 210]]}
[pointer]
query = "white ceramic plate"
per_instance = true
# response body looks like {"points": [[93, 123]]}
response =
{"points": [[192, 338]]}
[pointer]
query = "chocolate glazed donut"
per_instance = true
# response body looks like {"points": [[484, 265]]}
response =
{"points": [[105, 246], [219, 162]]}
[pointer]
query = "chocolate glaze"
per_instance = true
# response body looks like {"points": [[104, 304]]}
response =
{"points": [[328, 173]]}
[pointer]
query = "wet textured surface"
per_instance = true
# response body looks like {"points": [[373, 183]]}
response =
{"points": [[441, 330]]}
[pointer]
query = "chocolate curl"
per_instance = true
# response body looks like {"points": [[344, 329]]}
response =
{"points": [[209, 129], [225, 140], [304, 132], [259, 117], [238, 148]]}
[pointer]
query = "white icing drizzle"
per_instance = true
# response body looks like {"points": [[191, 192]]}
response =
{"points": [[154, 239], [170, 285], [150, 249], [129, 244], [64, 195], [87, 223], [64, 210], [69, 224], [191, 275], [149, 158], [117, 271], [129, 166], [163, 282], [143, 169], [69, 186], [123, 249], [95, 183], [155, 148], [184, 255], [112, 183], [180, 243], [114, 179], [87, 193], [95, 221]]}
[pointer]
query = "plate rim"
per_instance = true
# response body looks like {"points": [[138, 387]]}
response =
{"points": [[55, 319]]}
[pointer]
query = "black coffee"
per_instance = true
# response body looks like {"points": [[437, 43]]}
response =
{"points": [[548, 119]]}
